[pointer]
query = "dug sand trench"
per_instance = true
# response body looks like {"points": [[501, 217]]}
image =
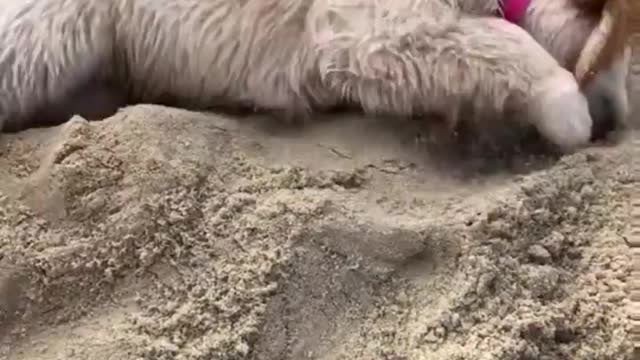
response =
{"points": [[166, 234]]}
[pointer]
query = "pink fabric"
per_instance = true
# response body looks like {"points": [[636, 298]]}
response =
{"points": [[514, 10]]}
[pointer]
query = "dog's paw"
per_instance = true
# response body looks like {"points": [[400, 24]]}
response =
{"points": [[560, 112]]}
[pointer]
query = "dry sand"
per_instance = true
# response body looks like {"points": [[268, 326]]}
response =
{"points": [[166, 234]]}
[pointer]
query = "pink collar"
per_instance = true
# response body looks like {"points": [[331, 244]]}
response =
{"points": [[514, 10]]}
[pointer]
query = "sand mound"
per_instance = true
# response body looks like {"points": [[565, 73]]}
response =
{"points": [[166, 234]]}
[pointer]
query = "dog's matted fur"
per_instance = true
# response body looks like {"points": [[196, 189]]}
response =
{"points": [[393, 57]]}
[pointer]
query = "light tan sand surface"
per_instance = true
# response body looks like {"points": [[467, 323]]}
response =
{"points": [[166, 234]]}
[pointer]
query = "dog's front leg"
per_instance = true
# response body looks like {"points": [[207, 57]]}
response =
{"points": [[486, 64]]}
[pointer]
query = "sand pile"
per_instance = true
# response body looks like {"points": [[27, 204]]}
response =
{"points": [[166, 234]]}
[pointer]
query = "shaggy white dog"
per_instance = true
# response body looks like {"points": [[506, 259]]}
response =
{"points": [[393, 57]]}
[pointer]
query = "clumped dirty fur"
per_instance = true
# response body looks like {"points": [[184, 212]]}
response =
{"points": [[393, 57]]}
